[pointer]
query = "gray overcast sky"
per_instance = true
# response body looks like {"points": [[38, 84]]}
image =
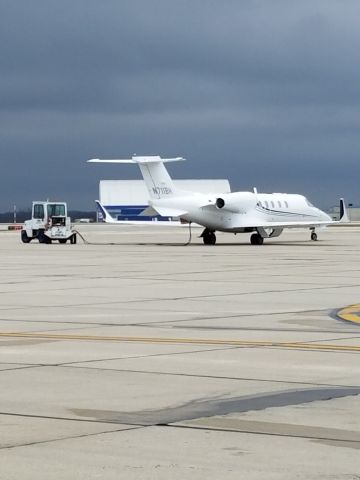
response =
{"points": [[265, 93]]}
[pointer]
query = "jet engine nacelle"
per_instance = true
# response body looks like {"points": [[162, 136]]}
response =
{"points": [[237, 202]]}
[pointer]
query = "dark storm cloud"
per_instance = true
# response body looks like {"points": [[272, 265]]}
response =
{"points": [[262, 92]]}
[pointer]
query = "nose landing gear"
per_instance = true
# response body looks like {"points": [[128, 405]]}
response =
{"points": [[313, 235]]}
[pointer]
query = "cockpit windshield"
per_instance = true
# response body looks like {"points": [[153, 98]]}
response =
{"points": [[309, 203]]}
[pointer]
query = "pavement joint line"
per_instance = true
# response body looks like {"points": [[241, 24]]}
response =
{"points": [[155, 323], [72, 437], [162, 425], [65, 419], [196, 341], [251, 432], [191, 297], [157, 355], [216, 377], [80, 365], [20, 368], [350, 313]]}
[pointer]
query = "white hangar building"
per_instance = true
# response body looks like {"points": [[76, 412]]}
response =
{"points": [[126, 199]]}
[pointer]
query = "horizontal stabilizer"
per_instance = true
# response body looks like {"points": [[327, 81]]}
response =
{"points": [[136, 159], [148, 212]]}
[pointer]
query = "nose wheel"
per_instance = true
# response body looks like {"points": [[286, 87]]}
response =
{"points": [[314, 236]]}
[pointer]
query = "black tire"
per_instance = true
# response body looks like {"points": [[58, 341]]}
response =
{"points": [[256, 239], [24, 237], [42, 237], [62, 240], [212, 238], [209, 238], [314, 236], [73, 239]]}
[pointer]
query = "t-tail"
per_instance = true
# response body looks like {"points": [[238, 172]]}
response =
{"points": [[156, 176]]}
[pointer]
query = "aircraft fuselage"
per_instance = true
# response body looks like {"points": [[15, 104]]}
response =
{"points": [[242, 211]]}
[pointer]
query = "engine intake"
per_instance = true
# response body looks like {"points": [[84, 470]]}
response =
{"points": [[220, 202], [236, 202]]}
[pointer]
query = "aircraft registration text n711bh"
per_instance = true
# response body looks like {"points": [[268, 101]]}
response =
{"points": [[265, 215]]}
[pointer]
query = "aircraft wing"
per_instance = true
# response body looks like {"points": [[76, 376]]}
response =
{"points": [[152, 223], [166, 212], [286, 224], [106, 215]]}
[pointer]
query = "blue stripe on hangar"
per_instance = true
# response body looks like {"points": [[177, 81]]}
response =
{"points": [[132, 213]]}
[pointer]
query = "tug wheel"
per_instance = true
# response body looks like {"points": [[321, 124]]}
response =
{"points": [[24, 237]]}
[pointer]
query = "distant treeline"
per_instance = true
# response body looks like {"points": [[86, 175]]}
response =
{"points": [[21, 216]]}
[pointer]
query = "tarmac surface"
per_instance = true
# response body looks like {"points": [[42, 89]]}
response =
{"points": [[135, 356]]}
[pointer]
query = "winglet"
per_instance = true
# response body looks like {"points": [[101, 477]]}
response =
{"points": [[106, 215], [344, 217]]}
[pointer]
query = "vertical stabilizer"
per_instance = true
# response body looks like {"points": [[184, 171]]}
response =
{"points": [[156, 176]]}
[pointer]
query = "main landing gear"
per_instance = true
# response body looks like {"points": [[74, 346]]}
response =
{"points": [[256, 239], [209, 237]]}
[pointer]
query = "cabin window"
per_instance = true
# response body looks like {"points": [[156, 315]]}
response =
{"points": [[273, 204], [56, 210], [266, 204], [286, 204], [39, 211], [279, 203]]}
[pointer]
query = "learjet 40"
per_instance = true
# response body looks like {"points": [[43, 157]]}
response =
{"points": [[262, 214]]}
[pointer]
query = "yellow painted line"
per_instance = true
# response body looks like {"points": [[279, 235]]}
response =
{"points": [[350, 314], [177, 341]]}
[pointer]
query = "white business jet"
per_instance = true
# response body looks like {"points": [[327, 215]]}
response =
{"points": [[266, 215]]}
